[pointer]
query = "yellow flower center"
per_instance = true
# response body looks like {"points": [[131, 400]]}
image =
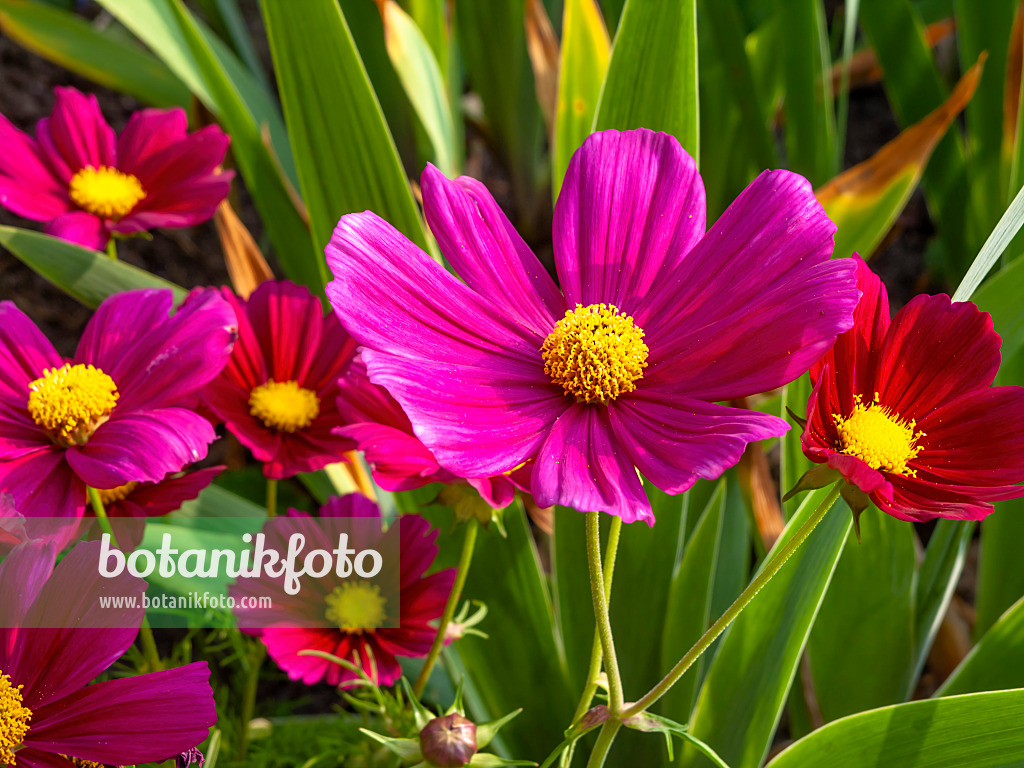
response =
{"points": [[879, 437], [355, 607], [110, 495], [595, 353], [71, 401], [77, 761], [14, 717], [106, 191], [284, 405]]}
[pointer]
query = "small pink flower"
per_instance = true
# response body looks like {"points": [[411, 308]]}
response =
{"points": [[87, 183]]}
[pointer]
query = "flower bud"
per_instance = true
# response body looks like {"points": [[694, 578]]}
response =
{"points": [[449, 741]]}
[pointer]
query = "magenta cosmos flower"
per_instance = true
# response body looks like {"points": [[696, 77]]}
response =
{"points": [[397, 458], [49, 715], [905, 411], [119, 410], [619, 370], [277, 393], [349, 618], [87, 183]]}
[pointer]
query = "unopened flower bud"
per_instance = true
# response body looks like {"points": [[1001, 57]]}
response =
{"points": [[449, 741]]}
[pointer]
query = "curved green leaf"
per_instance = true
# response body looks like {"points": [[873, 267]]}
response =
{"points": [[652, 73], [995, 662], [75, 44], [975, 731], [346, 159], [85, 275]]}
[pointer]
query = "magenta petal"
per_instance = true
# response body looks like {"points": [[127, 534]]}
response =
{"points": [[485, 250], [398, 460], [287, 323], [23, 573], [24, 353], [582, 465], [43, 485], [184, 204], [79, 132], [148, 132], [756, 302], [144, 446], [80, 227], [675, 440], [186, 159], [27, 186], [147, 354], [632, 204], [142, 719]]}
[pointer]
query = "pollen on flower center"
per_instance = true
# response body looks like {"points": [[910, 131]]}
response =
{"points": [[110, 495], [80, 763], [106, 191], [355, 607], [879, 437], [70, 402], [595, 353], [284, 405], [14, 719]]}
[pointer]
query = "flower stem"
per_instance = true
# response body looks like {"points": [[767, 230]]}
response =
{"points": [[596, 655], [604, 743], [449, 609], [271, 497], [252, 680], [146, 638], [112, 248], [762, 578], [360, 476], [604, 625]]}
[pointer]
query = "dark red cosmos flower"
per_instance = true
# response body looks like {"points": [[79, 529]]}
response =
{"points": [[55, 638], [278, 390], [905, 411]]}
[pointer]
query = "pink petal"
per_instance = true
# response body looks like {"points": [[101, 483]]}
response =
{"points": [[24, 353], [675, 440], [43, 484], [756, 301], [81, 228], [78, 131], [631, 207], [148, 132], [27, 185], [583, 465], [486, 251]]}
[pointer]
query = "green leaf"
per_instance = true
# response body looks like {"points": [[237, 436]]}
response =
{"points": [[871, 596], [936, 581], [996, 243], [810, 123], [994, 663], [85, 275], [221, 82], [424, 84], [652, 73], [975, 731], [1000, 297], [346, 159], [793, 462], [745, 691], [689, 603], [73, 43], [492, 36], [582, 66], [1000, 570]]}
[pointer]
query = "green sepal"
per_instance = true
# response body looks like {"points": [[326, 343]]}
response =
{"points": [[422, 714], [407, 749], [481, 760], [817, 476], [487, 731]]}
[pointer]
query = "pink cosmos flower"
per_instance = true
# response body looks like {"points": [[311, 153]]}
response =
{"points": [[49, 715], [905, 411], [278, 392], [86, 183], [398, 460], [620, 370], [358, 610], [119, 410]]}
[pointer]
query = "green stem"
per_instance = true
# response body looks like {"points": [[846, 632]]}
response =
{"points": [[604, 625], [604, 743], [596, 655], [271, 497], [112, 248], [149, 649], [762, 578], [252, 680], [449, 609]]}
